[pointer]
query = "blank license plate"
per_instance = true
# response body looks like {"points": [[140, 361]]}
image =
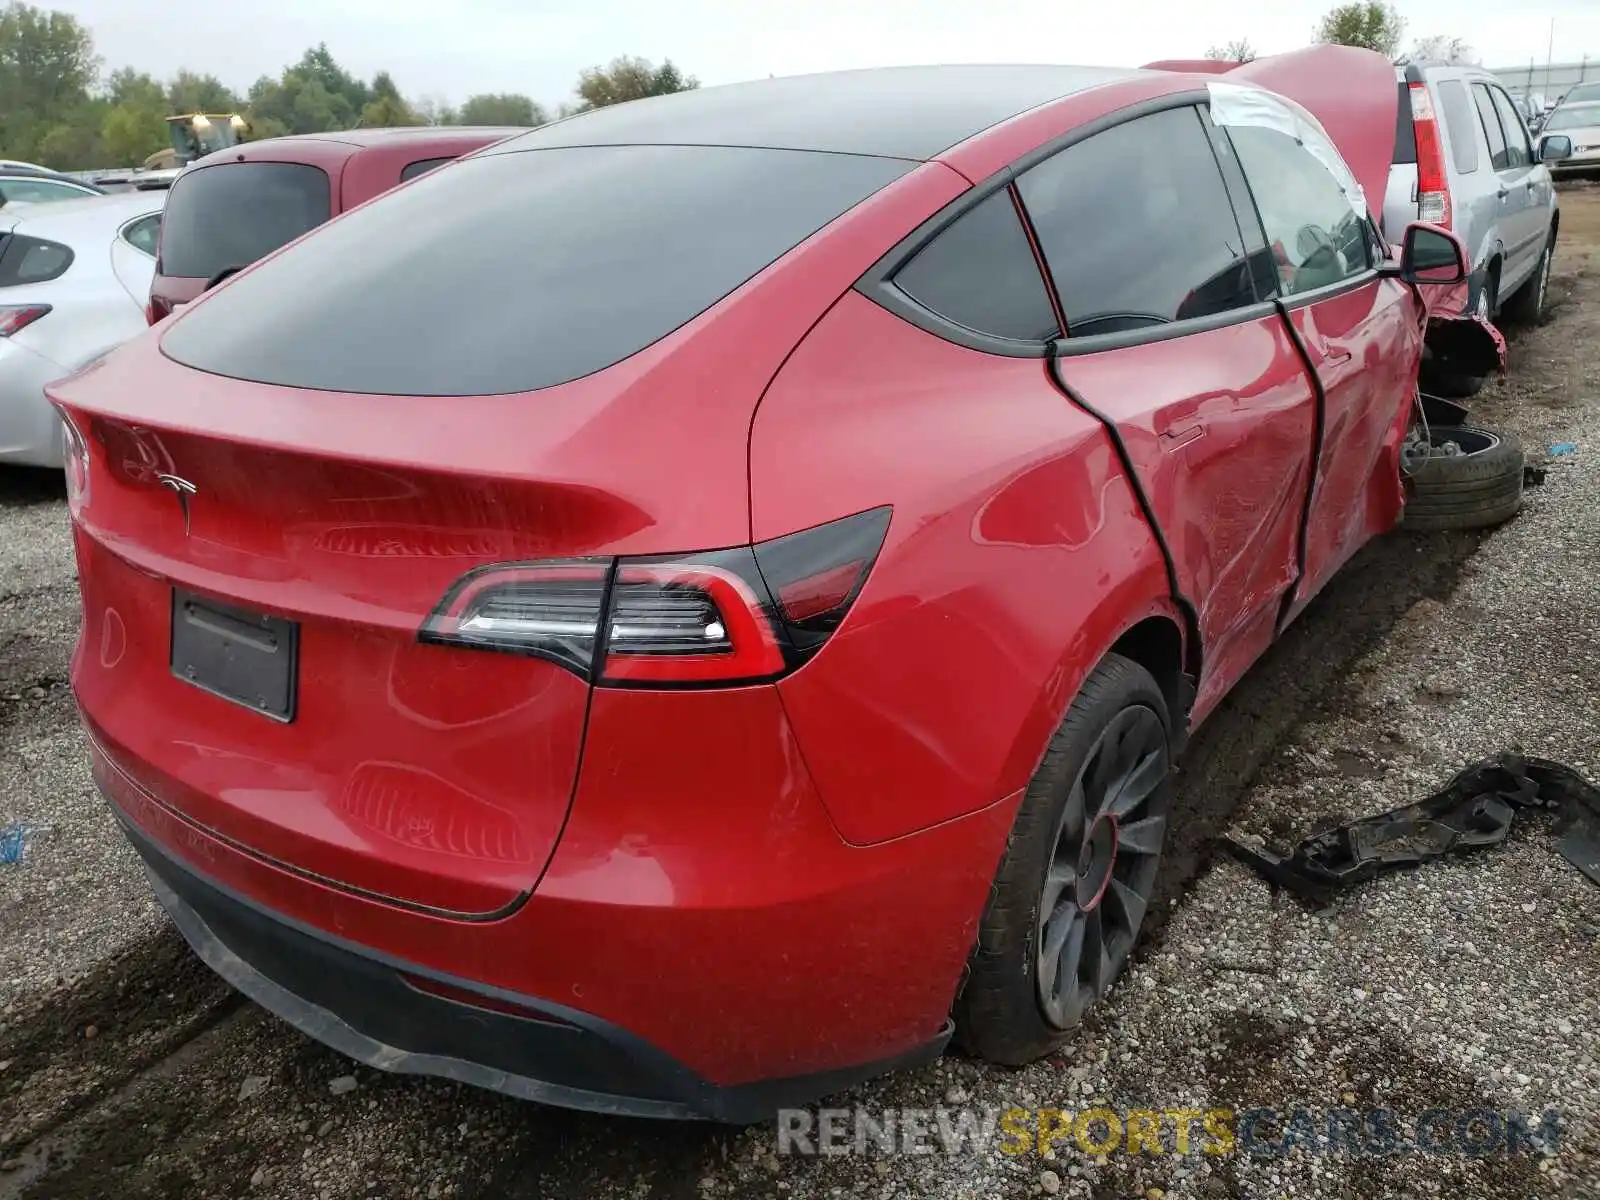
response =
{"points": [[243, 656]]}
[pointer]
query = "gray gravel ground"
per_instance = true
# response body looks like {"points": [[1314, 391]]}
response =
{"points": [[126, 1070]]}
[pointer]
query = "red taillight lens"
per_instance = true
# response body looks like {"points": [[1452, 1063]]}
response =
{"points": [[1433, 185], [157, 310], [816, 574], [690, 621], [700, 619], [549, 610], [15, 317]]}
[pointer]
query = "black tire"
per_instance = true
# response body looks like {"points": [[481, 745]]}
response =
{"points": [[1473, 490], [1526, 305], [1010, 1011]]}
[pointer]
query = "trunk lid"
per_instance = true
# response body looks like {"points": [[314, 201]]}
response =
{"points": [[435, 777]]}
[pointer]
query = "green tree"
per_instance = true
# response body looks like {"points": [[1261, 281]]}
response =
{"points": [[74, 143], [1371, 24], [47, 68], [314, 95], [630, 79], [1240, 51], [387, 108], [136, 124], [502, 108], [318, 65], [189, 92]]}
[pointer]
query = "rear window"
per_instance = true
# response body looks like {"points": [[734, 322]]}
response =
{"points": [[1405, 134], [521, 270], [31, 260], [231, 214]]}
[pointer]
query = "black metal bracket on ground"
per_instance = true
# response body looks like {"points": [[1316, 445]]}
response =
{"points": [[1474, 809]]}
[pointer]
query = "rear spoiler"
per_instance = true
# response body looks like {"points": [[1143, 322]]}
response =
{"points": [[1194, 66]]}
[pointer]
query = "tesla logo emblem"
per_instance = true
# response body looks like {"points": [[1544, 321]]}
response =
{"points": [[182, 489]]}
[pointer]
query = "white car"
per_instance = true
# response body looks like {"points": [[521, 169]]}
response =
{"points": [[1579, 124], [74, 279]]}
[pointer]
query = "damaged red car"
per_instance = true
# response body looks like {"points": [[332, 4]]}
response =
{"points": [[695, 605]]}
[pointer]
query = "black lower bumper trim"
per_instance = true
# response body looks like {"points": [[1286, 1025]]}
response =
{"points": [[357, 1001]]}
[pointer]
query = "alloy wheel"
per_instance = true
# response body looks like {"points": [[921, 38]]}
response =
{"points": [[1107, 850]]}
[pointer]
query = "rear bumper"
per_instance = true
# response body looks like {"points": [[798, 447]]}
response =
{"points": [[360, 1003]]}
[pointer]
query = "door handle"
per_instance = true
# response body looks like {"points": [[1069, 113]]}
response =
{"points": [[1337, 356], [1504, 193], [1181, 432]]}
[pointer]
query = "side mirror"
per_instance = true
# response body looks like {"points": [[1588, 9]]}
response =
{"points": [[1432, 255], [1554, 147]]}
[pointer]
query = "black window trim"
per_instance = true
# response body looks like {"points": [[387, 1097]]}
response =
{"points": [[877, 283], [1525, 139], [1498, 124]]}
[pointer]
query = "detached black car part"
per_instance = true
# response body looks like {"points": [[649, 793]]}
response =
{"points": [[1475, 809]]}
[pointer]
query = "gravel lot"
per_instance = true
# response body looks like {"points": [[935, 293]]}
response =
{"points": [[127, 1070]]}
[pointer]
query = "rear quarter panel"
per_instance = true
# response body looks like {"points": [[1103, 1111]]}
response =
{"points": [[1015, 557]]}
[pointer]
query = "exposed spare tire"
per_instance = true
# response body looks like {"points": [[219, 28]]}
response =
{"points": [[1459, 477]]}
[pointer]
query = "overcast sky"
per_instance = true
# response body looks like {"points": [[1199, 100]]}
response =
{"points": [[458, 47]]}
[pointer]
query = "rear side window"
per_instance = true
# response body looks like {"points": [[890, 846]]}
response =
{"points": [[143, 234], [1519, 153], [229, 215], [1405, 133], [31, 260], [981, 273], [421, 167], [1490, 121], [520, 270], [1462, 124], [1137, 227], [1317, 237]]}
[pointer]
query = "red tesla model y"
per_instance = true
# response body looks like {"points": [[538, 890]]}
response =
{"points": [[693, 606]]}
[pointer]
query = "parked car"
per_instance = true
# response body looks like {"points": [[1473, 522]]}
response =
{"points": [[232, 207], [23, 185], [1464, 160], [684, 608], [1579, 124], [73, 277]]}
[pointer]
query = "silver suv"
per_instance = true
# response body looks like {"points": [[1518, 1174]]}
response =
{"points": [[1463, 159]]}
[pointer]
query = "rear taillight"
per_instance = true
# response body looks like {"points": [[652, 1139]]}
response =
{"points": [[75, 461], [156, 310], [15, 317], [1433, 185], [742, 615]]}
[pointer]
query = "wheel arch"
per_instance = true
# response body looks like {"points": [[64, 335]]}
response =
{"points": [[1171, 653]]}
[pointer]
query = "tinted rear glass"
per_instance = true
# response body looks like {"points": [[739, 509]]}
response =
{"points": [[231, 214], [519, 271], [31, 260], [981, 273], [1405, 134], [1462, 122]]}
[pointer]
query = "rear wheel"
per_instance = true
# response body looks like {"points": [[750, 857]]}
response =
{"points": [[1079, 870], [1477, 485], [1526, 305]]}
